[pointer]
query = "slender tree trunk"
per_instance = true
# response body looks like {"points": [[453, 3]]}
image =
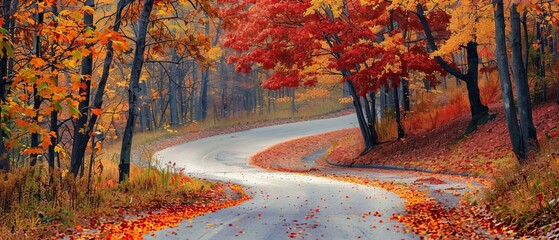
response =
{"points": [[370, 112], [180, 92], [401, 132], [382, 101], [368, 137], [4, 86], [526, 42], [504, 77], [51, 155], [37, 99], [144, 108], [202, 112], [223, 85], [137, 63], [406, 94], [528, 130], [292, 94], [173, 79], [79, 152], [80, 131]]}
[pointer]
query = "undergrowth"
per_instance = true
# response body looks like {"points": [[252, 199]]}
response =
{"points": [[527, 195], [32, 198]]}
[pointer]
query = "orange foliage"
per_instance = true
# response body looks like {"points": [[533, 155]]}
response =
{"points": [[432, 117], [168, 216], [429, 116]]}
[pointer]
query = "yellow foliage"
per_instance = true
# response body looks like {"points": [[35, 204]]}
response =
{"points": [[345, 100], [214, 53], [335, 6]]}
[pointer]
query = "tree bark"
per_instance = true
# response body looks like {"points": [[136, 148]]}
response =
{"points": [[504, 77], [53, 118], [79, 151], [173, 79], [367, 136], [4, 86], [370, 111], [137, 63], [528, 130], [401, 132], [80, 129], [406, 94], [37, 99]]}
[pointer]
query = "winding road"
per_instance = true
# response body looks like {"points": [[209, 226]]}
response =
{"points": [[284, 205]]}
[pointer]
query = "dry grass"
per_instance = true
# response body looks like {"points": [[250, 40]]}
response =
{"points": [[34, 202], [527, 195]]}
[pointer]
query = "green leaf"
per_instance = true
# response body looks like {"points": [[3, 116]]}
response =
{"points": [[43, 85], [4, 31], [74, 111], [8, 48], [57, 106], [76, 54]]}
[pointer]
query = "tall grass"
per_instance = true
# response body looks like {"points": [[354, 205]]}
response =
{"points": [[31, 196], [527, 196]]}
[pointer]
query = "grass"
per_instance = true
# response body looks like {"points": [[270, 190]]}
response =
{"points": [[36, 203], [527, 195]]}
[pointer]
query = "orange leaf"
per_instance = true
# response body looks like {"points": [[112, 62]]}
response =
{"points": [[21, 123], [37, 62], [96, 111]]}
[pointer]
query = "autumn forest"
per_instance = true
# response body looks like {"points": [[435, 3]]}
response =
{"points": [[450, 106]]}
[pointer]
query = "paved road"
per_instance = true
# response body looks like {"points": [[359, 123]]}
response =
{"points": [[284, 205]]}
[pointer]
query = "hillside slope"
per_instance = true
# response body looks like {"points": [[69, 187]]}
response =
{"points": [[486, 150]]}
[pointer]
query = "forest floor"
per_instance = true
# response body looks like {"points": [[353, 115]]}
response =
{"points": [[523, 203]]}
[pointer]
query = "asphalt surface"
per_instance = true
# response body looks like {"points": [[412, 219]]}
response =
{"points": [[284, 205]]}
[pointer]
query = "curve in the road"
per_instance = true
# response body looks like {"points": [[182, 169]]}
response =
{"points": [[284, 205]]}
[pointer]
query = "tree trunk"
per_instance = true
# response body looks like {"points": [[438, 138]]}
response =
{"points": [[382, 101], [144, 108], [223, 85], [51, 155], [370, 111], [4, 86], [173, 79], [79, 152], [368, 137], [504, 77], [528, 130], [401, 132], [80, 130], [137, 63], [406, 94], [526, 41], [37, 99], [479, 112]]}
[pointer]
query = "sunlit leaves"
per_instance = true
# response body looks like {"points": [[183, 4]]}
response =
{"points": [[335, 6]]}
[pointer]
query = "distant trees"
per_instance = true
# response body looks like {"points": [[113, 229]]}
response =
{"points": [[360, 41]]}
